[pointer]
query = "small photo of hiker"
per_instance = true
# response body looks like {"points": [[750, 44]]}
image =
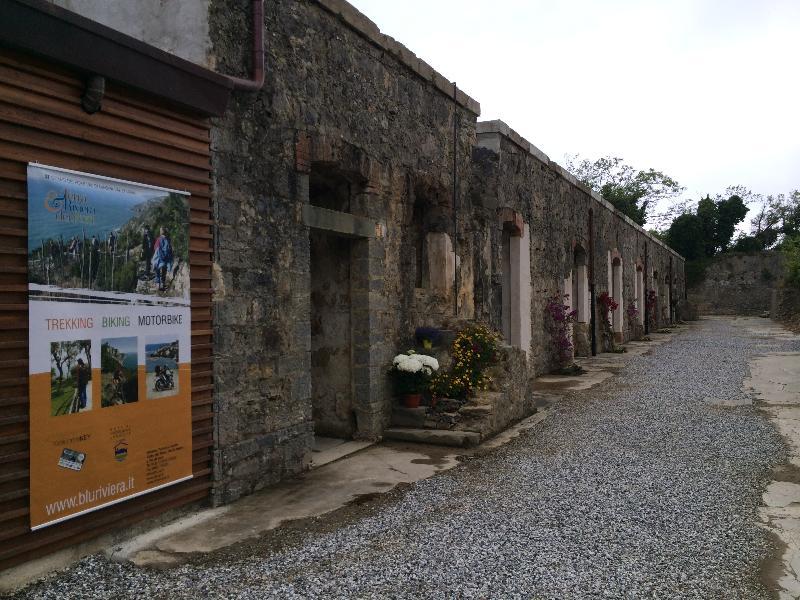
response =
{"points": [[70, 377]]}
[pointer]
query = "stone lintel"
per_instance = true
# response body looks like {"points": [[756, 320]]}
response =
{"points": [[339, 222]]}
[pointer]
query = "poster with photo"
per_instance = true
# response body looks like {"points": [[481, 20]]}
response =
{"points": [[110, 341]]}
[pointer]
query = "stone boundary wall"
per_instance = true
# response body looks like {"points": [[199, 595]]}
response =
{"points": [[498, 126], [512, 175], [738, 283]]}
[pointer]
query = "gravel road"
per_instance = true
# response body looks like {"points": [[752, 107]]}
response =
{"points": [[640, 488]]}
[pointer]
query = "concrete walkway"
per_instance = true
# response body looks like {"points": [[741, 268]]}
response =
{"points": [[774, 383]]}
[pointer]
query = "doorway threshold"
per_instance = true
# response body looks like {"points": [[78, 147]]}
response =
{"points": [[327, 450]]}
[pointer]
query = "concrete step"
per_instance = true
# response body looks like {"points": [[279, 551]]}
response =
{"points": [[436, 437], [409, 417]]}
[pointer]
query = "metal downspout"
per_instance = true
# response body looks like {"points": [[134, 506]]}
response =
{"points": [[455, 200], [646, 279], [257, 81]]}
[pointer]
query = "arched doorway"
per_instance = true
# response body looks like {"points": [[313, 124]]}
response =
{"points": [[617, 320], [579, 300], [639, 285]]}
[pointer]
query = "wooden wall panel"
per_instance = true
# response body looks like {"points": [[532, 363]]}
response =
{"points": [[132, 138]]}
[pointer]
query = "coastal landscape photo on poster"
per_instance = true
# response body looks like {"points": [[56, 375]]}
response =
{"points": [[109, 338]]}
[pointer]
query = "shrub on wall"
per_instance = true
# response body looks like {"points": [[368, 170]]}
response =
{"points": [[607, 306], [791, 251], [472, 352], [560, 319]]}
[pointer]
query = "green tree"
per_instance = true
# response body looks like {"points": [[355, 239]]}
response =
{"points": [[730, 213], [685, 236], [791, 250], [631, 191], [708, 214]]}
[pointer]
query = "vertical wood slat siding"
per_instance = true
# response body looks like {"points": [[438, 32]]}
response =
{"points": [[131, 138]]}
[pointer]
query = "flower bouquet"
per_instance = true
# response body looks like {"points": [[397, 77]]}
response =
{"points": [[411, 373]]}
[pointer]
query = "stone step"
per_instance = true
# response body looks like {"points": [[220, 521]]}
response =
{"points": [[436, 437], [473, 411], [409, 417], [487, 397]]}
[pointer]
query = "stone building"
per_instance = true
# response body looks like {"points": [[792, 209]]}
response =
{"points": [[357, 196]]}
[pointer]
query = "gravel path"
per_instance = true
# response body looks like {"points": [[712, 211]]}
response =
{"points": [[639, 489]]}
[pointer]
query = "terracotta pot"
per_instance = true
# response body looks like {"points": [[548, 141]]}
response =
{"points": [[412, 400]]}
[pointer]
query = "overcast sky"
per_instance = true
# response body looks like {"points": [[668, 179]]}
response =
{"points": [[707, 91]]}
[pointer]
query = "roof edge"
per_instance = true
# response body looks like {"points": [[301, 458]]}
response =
{"points": [[54, 33]]}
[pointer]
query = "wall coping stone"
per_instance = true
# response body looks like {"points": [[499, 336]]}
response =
{"points": [[362, 25], [498, 127]]}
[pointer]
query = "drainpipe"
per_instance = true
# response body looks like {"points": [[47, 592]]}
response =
{"points": [[455, 200], [257, 81], [591, 282], [646, 279]]}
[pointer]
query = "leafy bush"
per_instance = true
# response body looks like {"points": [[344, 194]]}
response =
{"points": [[473, 351], [561, 317], [791, 251]]}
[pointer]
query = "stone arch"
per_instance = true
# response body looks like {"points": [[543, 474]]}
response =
{"points": [[639, 291], [339, 186], [428, 213], [579, 299], [515, 268], [617, 316]]}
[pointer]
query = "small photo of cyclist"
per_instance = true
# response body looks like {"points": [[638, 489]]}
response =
{"points": [[119, 364], [161, 365]]}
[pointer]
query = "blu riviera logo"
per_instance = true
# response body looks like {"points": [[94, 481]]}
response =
{"points": [[70, 207]]}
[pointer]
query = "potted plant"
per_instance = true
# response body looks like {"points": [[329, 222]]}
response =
{"points": [[412, 373]]}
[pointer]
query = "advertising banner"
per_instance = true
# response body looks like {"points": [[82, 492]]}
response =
{"points": [[110, 341]]}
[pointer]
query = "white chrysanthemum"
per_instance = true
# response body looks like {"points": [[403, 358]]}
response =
{"points": [[410, 365], [428, 361]]}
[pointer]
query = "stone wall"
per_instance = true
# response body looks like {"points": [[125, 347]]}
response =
{"points": [[349, 122], [510, 173], [736, 283], [353, 125]]}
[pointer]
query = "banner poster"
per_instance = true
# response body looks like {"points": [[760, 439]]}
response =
{"points": [[110, 341]]}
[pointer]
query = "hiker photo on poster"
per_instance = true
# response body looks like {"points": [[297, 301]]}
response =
{"points": [[71, 377], [109, 237]]}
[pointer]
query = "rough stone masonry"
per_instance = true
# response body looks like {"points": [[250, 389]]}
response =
{"points": [[356, 197]]}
